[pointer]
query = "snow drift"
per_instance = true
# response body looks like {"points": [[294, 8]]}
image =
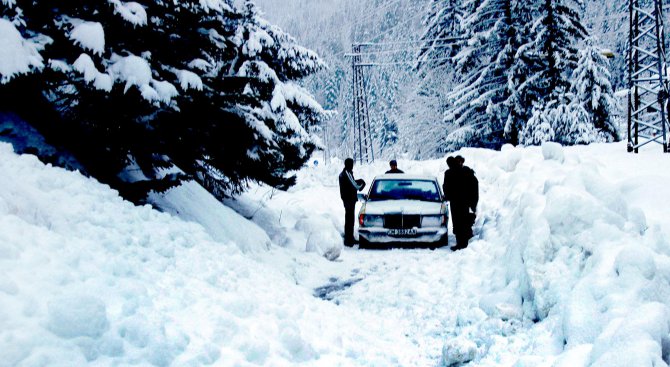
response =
{"points": [[88, 278]]}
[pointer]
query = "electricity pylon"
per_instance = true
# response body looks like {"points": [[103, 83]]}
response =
{"points": [[647, 76], [363, 149]]}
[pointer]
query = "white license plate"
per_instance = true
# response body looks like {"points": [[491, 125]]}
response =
{"points": [[402, 232]]}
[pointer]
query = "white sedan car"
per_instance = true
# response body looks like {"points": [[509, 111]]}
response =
{"points": [[403, 209]]}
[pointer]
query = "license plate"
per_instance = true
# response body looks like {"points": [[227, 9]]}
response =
{"points": [[402, 232]]}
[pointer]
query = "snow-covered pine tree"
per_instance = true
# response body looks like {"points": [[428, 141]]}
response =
{"points": [[608, 21], [572, 125], [208, 86], [543, 65], [539, 128], [442, 23], [591, 89], [424, 131], [384, 105], [477, 102]]}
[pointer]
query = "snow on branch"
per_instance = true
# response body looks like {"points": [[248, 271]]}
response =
{"points": [[189, 80], [132, 12], [216, 5], [17, 55], [85, 65], [89, 35]]}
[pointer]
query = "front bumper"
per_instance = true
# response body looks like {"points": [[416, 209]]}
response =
{"points": [[423, 235]]}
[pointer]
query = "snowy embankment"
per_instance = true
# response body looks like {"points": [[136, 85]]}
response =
{"points": [[86, 277], [585, 236], [570, 267]]}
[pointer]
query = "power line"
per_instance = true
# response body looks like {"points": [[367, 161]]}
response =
{"points": [[397, 50], [370, 44], [408, 62]]}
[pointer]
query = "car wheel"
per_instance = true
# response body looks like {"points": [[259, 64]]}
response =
{"points": [[363, 243]]}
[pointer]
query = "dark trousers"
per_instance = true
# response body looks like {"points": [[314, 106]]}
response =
{"points": [[462, 220], [349, 218]]}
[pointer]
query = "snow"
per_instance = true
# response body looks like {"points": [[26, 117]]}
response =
{"points": [[166, 91], [60, 66], [17, 55], [89, 35], [200, 64], [553, 151], [189, 80], [131, 12], [256, 42], [191, 202], [85, 65], [133, 70], [216, 5], [570, 266]]}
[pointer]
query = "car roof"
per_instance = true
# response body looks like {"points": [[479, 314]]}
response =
{"points": [[403, 176]]}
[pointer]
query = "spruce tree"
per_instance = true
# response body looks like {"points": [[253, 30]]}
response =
{"points": [[592, 90], [544, 63], [477, 103], [443, 22], [206, 87]]}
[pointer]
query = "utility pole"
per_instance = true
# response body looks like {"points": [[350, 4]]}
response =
{"points": [[647, 76], [363, 149], [374, 57]]}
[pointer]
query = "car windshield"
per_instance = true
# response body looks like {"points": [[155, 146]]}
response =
{"points": [[404, 189]]}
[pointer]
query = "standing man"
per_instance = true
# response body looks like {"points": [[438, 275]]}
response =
{"points": [[394, 167], [348, 192], [461, 189]]}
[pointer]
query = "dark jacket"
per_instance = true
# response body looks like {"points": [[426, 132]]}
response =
{"points": [[394, 170], [461, 187], [348, 186]]}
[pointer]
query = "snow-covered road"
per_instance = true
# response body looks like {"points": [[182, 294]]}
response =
{"points": [[556, 229]]}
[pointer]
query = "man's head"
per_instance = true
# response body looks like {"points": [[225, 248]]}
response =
{"points": [[349, 164], [459, 160], [393, 164], [451, 162]]}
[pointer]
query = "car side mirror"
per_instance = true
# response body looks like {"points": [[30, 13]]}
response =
{"points": [[362, 196]]}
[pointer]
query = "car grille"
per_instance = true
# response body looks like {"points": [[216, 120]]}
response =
{"points": [[399, 221]]}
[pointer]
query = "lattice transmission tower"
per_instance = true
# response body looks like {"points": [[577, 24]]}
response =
{"points": [[363, 149], [647, 76]]}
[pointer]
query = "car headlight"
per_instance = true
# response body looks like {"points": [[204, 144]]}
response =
{"points": [[432, 220], [369, 220]]}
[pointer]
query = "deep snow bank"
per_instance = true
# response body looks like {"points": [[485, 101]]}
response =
{"points": [[581, 252], [87, 278]]}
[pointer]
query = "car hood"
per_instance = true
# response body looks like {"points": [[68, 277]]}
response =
{"points": [[402, 206]]}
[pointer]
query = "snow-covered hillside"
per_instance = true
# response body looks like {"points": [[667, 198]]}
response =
{"points": [[570, 267]]}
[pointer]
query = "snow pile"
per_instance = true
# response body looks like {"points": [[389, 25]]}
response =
{"points": [[299, 222], [193, 203], [17, 55], [582, 255], [87, 278]]}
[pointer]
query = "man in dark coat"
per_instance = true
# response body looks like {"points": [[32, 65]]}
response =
{"points": [[394, 167], [348, 192], [461, 189]]}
